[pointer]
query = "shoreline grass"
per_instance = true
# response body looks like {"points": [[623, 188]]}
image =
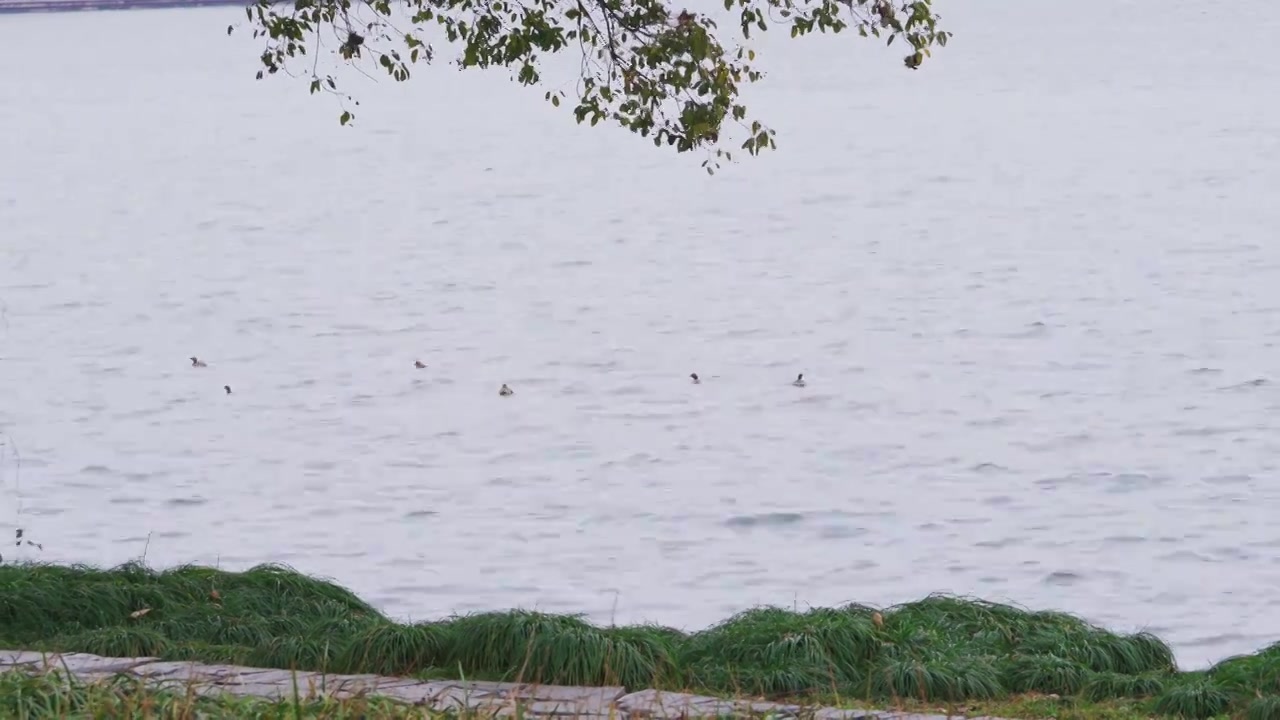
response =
{"points": [[940, 652]]}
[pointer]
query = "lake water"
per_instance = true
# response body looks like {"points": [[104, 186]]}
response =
{"points": [[1034, 287]]}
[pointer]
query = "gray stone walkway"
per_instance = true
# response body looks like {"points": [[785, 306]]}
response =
{"points": [[542, 701]]}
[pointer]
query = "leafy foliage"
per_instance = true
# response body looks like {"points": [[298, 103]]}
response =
{"points": [[666, 75]]}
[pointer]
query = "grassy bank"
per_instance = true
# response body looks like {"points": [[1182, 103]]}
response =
{"points": [[936, 652]]}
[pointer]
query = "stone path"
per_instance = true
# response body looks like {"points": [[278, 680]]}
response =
{"points": [[541, 701]]}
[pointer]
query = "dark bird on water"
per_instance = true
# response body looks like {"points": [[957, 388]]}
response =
{"points": [[696, 381], [799, 382], [197, 362], [227, 388], [418, 364]]}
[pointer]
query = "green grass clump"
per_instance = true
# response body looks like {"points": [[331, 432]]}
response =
{"points": [[1110, 686], [391, 649], [558, 649], [936, 652], [1195, 697], [1249, 673], [770, 651], [1048, 674], [121, 641], [1264, 708], [950, 678], [41, 601]]}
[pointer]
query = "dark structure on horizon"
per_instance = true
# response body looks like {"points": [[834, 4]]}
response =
{"points": [[24, 6]]}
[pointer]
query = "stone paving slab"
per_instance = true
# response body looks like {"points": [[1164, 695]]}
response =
{"points": [[78, 663], [198, 672], [605, 695], [343, 686], [258, 690], [498, 699], [662, 704], [418, 693], [8, 658], [849, 714]]}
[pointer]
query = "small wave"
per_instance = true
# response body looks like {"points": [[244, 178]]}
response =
{"points": [[1207, 431], [1123, 539], [1062, 577], [1256, 382], [1229, 479], [989, 467], [1034, 330], [127, 500], [1216, 640], [773, 519], [1186, 555], [1133, 482], [813, 400], [841, 532]]}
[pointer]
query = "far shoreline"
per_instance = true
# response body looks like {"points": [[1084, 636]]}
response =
{"points": [[14, 7]]}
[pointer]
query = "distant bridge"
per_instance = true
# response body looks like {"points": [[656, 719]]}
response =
{"points": [[26, 6]]}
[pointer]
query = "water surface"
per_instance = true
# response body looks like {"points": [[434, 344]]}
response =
{"points": [[1034, 288]]}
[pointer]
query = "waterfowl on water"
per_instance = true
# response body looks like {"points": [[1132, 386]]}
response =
{"points": [[227, 388], [799, 381], [506, 390], [696, 381], [197, 362], [418, 364]]}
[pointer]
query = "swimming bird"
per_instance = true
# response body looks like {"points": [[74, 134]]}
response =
{"points": [[227, 388], [696, 381], [505, 391], [799, 382], [418, 364], [197, 362]]}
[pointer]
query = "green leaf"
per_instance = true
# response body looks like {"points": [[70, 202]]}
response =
{"points": [[662, 74]]}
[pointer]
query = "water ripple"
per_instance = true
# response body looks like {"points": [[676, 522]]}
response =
{"points": [[1040, 381]]}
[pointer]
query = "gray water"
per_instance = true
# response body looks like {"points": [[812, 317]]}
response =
{"points": [[1034, 288]]}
